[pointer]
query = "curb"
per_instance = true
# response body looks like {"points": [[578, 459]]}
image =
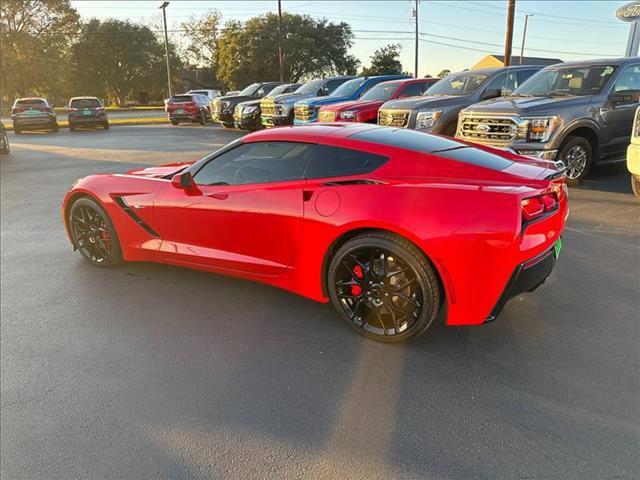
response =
{"points": [[114, 123]]}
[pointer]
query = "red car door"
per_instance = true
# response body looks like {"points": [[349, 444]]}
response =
{"points": [[244, 212]]}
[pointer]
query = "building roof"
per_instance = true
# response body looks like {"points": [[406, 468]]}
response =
{"points": [[498, 61]]}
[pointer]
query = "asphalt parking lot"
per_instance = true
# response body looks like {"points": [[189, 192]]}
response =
{"points": [[149, 371]]}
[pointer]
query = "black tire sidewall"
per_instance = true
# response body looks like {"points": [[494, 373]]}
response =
{"points": [[635, 185], [570, 142], [421, 269], [116, 253]]}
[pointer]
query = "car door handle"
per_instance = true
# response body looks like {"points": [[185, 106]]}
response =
{"points": [[219, 196]]}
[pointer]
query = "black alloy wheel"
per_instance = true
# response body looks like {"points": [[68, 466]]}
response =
{"points": [[384, 287], [93, 233]]}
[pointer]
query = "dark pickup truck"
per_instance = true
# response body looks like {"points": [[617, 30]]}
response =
{"points": [[437, 110], [578, 112]]}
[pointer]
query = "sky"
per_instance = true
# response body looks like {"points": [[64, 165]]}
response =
{"points": [[454, 34]]}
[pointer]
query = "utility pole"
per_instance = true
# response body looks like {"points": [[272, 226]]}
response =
{"points": [[280, 41], [524, 35], [509, 40], [415, 14], [166, 43]]}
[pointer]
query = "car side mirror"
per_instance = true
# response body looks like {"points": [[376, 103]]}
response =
{"points": [[323, 92], [183, 180], [493, 93], [625, 96]]}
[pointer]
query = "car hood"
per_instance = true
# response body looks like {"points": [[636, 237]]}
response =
{"points": [[160, 171], [428, 101], [291, 97], [317, 101], [234, 99], [528, 105], [355, 105], [251, 103]]}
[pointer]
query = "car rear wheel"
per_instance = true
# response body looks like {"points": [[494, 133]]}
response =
{"points": [[55, 127], [93, 233], [105, 125], [6, 148], [174, 122], [16, 129], [576, 153], [203, 119], [383, 287], [72, 127], [635, 185]]}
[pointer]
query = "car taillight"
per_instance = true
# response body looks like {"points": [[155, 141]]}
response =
{"points": [[17, 109], [535, 207]]}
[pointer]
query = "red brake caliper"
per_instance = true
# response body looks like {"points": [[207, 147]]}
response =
{"points": [[356, 290], [104, 235]]}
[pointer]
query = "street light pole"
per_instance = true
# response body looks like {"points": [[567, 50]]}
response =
{"points": [[415, 14], [524, 35], [280, 41], [509, 40], [166, 43]]}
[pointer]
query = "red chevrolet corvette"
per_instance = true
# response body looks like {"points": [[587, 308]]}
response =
{"points": [[391, 225]]}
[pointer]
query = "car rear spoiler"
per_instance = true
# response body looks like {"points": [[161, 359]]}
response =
{"points": [[559, 173]]}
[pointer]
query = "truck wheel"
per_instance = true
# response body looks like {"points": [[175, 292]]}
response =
{"points": [[203, 119], [577, 155], [635, 185], [174, 122]]}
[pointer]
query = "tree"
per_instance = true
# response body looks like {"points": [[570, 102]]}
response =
{"points": [[385, 61], [35, 36], [444, 73], [201, 34], [115, 59], [247, 52]]}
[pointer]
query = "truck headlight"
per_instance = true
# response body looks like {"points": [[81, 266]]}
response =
{"points": [[540, 128], [427, 118], [348, 114]]}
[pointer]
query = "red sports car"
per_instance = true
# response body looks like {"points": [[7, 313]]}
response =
{"points": [[391, 225], [365, 109]]}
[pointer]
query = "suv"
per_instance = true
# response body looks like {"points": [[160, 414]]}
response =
{"points": [[578, 112], [306, 111], [437, 111], [222, 107], [365, 109], [33, 114], [246, 115], [207, 92], [86, 111], [188, 107], [278, 110]]}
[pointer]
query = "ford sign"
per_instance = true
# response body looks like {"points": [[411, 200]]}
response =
{"points": [[629, 12]]}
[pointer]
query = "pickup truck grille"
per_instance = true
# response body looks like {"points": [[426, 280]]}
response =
{"points": [[303, 113], [488, 129], [394, 118], [327, 117], [268, 107]]}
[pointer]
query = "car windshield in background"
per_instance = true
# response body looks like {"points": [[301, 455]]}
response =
{"points": [[278, 90], [380, 92], [30, 101], [250, 90], [347, 89], [181, 99], [85, 103], [310, 87], [464, 84], [572, 81]]}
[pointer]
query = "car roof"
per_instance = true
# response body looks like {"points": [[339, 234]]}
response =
{"points": [[84, 98], [408, 81], [601, 61], [32, 98], [489, 71]]}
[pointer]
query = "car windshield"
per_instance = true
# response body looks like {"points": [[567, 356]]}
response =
{"points": [[462, 84], [279, 89], [85, 103], [310, 87], [568, 81], [200, 92], [250, 90], [382, 91], [349, 88]]}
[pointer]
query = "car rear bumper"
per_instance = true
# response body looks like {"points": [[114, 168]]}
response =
{"points": [[33, 121], [527, 277], [88, 120]]}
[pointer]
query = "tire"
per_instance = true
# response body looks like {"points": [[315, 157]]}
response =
{"points": [[16, 129], [174, 122], [99, 250], [635, 184], [6, 150], [105, 125], [202, 120], [228, 125], [577, 155], [374, 277], [72, 127], [55, 127]]}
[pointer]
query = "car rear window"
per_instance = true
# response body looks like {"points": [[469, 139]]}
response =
{"points": [[85, 103], [181, 99], [331, 161], [30, 101]]}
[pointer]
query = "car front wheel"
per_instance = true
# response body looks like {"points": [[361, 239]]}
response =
{"points": [[635, 185], [577, 155], [93, 233], [383, 287]]}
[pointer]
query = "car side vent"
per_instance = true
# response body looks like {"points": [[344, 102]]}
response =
{"points": [[352, 182], [127, 209]]}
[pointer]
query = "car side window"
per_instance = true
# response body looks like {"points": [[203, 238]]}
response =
{"points": [[267, 88], [505, 82], [629, 79], [413, 89], [259, 93], [331, 85], [338, 162], [523, 76], [257, 162]]}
